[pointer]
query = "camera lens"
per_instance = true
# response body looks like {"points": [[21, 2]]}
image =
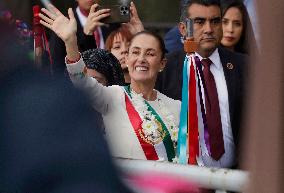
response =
{"points": [[124, 10]]}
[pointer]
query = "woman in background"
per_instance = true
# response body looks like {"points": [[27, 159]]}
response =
{"points": [[237, 29], [118, 43]]}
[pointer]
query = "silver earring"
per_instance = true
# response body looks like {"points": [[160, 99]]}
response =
{"points": [[160, 70]]}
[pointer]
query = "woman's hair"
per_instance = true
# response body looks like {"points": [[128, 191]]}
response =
{"points": [[247, 38], [123, 31], [105, 63], [157, 37]]}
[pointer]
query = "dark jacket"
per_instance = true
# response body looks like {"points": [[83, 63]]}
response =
{"points": [[50, 139]]}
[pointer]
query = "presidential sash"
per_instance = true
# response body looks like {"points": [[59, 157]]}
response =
{"points": [[161, 150]]}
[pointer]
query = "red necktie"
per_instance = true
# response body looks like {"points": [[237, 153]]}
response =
{"points": [[97, 37], [213, 113]]}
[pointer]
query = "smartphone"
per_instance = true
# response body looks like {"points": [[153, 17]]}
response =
{"points": [[119, 11]]}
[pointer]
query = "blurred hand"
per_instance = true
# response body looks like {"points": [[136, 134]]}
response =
{"points": [[63, 27], [93, 20], [134, 25]]}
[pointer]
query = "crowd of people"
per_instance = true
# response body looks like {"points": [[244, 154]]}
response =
{"points": [[141, 89]]}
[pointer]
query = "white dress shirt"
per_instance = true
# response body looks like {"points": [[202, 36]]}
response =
{"points": [[228, 158]]}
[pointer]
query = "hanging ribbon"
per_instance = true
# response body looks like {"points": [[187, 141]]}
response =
{"points": [[193, 142], [182, 134], [41, 45], [201, 80]]}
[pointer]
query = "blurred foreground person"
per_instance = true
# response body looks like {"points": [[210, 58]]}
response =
{"points": [[40, 151]]}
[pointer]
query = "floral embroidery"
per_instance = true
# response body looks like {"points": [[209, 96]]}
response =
{"points": [[151, 127]]}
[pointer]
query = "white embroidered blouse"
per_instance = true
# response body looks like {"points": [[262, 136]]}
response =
{"points": [[110, 102]]}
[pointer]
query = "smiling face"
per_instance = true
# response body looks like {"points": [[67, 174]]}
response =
{"points": [[144, 59], [207, 28], [232, 23]]}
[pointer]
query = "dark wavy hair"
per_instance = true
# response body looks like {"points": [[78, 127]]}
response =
{"points": [[247, 39], [105, 63]]}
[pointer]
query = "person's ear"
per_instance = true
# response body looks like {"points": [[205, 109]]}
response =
{"points": [[126, 59], [182, 28]]}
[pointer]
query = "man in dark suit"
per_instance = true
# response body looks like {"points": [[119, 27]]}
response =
{"points": [[228, 71]]}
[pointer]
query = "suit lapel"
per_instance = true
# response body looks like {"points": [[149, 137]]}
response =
{"points": [[229, 69]]}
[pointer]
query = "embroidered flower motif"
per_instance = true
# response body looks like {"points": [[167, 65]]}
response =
{"points": [[169, 121], [152, 128], [175, 160]]}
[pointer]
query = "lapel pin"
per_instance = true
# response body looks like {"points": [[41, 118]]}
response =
{"points": [[230, 66]]}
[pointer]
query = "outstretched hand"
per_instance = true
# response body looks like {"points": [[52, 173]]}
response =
{"points": [[134, 25], [54, 20]]}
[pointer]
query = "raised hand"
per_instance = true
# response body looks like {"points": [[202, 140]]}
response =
{"points": [[134, 25], [63, 27], [94, 17]]}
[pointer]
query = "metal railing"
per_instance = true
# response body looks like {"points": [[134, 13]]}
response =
{"points": [[213, 178]]}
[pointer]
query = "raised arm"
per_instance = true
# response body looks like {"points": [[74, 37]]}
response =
{"points": [[66, 29]]}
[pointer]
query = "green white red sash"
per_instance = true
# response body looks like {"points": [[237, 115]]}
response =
{"points": [[164, 149]]}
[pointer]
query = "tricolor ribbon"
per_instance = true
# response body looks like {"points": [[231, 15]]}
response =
{"points": [[182, 134], [188, 136], [201, 81]]}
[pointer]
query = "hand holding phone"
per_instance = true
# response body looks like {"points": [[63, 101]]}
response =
{"points": [[135, 25], [94, 19]]}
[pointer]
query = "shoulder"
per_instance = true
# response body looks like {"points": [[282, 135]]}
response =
{"points": [[176, 54], [234, 56], [175, 59]]}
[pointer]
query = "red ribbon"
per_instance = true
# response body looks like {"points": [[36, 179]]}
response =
{"points": [[40, 38], [136, 122], [193, 143]]}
